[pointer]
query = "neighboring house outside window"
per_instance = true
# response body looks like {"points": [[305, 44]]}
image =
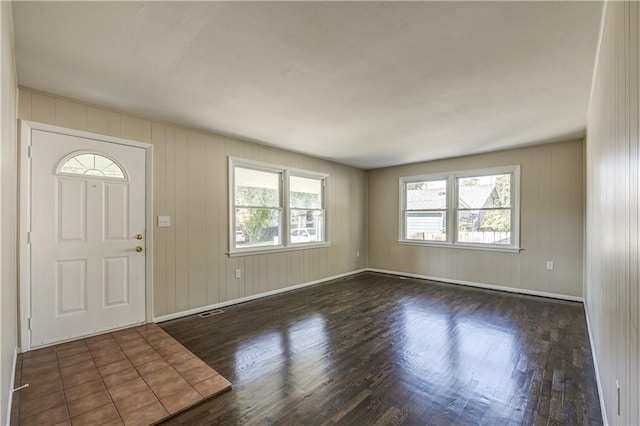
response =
{"points": [[275, 208], [469, 209]]}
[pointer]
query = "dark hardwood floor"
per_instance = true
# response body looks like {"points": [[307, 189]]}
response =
{"points": [[378, 349]]}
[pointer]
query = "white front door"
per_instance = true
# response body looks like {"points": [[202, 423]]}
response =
{"points": [[87, 236]]}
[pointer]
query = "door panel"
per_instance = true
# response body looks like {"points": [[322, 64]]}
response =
{"points": [[71, 286], [116, 211], [86, 275], [116, 281], [71, 210]]}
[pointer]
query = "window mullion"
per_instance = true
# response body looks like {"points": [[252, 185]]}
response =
{"points": [[319, 227], [484, 208], [485, 224], [452, 220], [285, 217], [428, 210], [241, 206], [249, 181]]}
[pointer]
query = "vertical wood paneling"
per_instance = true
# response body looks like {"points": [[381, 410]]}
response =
{"points": [[70, 114], [158, 139], [114, 124], [272, 271], [634, 176], [196, 199], [538, 274], [215, 214], [130, 128], [9, 312], [247, 276], [528, 203], [181, 220], [263, 278], [560, 279], [42, 108], [170, 197], [578, 202], [191, 266], [611, 259], [24, 105], [551, 223], [223, 227], [146, 131], [97, 120]]}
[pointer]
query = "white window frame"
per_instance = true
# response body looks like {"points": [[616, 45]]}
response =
{"points": [[285, 215], [452, 208], [323, 187], [403, 207]]}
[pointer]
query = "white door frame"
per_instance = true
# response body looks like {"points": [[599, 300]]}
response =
{"points": [[24, 219]]}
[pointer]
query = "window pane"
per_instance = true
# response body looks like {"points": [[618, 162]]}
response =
{"points": [[305, 192], [92, 165], [87, 160], [257, 227], [484, 191], [430, 226], [257, 188], [484, 226], [307, 226], [113, 171], [427, 195]]}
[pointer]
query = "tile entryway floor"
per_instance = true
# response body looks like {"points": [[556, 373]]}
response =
{"points": [[136, 376]]}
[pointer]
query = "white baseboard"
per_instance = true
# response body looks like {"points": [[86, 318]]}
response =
{"points": [[603, 408], [194, 311], [481, 285], [12, 385], [252, 297]]}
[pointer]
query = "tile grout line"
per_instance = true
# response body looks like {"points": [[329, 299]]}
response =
{"points": [[192, 386], [102, 379], [64, 388], [142, 377], [202, 398], [155, 334], [184, 347]]}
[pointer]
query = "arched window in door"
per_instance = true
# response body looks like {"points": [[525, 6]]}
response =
{"points": [[91, 164]]}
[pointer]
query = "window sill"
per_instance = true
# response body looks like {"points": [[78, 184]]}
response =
{"points": [[462, 246], [276, 249]]}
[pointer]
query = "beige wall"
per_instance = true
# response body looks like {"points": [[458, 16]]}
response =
{"points": [[191, 268], [8, 290], [611, 290], [552, 205]]}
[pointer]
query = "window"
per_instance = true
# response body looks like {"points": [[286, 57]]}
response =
{"points": [[91, 164], [275, 208], [484, 209], [306, 209], [258, 207], [426, 210], [471, 209]]}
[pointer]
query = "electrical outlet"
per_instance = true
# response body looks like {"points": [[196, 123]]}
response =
{"points": [[549, 265], [238, 273], [357, 254]]}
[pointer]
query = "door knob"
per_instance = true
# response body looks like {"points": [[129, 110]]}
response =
{"points": [[139, 249], [138, 236]]}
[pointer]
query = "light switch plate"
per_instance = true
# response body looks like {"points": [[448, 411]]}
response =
{"points": [[164, 221]]}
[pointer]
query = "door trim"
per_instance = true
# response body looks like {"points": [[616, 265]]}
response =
{"points": [[24, 218]]}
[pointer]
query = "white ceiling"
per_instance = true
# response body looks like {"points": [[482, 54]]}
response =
{"points": [[363, 83]]}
